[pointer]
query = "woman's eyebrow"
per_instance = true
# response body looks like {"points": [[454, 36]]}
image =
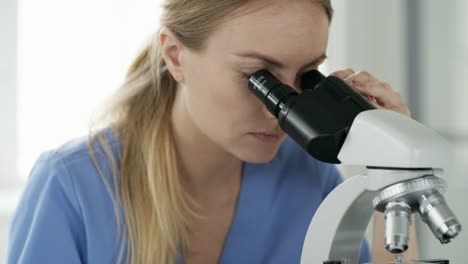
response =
{"points": [[276, 63]]}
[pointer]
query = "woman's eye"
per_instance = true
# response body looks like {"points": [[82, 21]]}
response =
{"points": [[246, 75]]}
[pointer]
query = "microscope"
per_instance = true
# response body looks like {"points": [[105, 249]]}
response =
{"points": [[404, 159]]}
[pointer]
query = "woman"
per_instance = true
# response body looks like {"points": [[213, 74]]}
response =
{"points": [[191, 166]]}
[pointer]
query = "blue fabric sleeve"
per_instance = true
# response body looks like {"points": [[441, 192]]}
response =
{"points": [[47, 226], [333, 179]]}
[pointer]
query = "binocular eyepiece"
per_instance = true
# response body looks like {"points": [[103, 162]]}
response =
{"points": [[319, 117]]}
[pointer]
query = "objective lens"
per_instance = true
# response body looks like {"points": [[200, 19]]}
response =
{"points": [[438, 216], [397, 223]]}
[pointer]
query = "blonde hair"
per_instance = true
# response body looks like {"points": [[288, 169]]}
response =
{"points": [[156, 209]]}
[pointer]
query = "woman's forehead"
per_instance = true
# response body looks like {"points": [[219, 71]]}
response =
{"points": [[286, 29]]}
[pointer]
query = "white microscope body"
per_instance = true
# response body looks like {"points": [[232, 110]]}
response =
{"points": [[405, 162]]}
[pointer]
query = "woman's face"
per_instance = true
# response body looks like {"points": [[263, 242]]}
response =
{"points": [[286, 37]]}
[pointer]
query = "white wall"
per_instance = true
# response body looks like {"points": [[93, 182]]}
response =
{"points": [[7, 115], [370, 35], [444, 93], [72, 55], [7, 91]]}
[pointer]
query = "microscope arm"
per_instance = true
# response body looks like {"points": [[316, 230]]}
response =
{"points": [[338, 227]]}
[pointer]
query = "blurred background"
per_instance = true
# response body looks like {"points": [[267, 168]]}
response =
{"points": [[60, 59]]}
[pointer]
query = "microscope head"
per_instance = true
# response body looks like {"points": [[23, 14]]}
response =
{"points": [[319, 117]]}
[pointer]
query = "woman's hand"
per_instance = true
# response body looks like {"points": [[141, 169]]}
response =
{"points": [[376, 91]]}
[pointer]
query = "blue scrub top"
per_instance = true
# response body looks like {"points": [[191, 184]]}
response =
{"points": [[65, 214]]}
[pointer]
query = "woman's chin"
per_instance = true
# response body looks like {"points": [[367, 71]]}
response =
{"points": [[259, 159], [258, 153]]}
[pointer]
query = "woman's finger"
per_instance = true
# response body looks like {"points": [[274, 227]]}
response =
{"points": [[343, 74], [384, 96], [361, 78]]}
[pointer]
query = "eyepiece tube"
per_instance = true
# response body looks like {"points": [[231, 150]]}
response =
{"points": [[271, 91], [311, 79]]}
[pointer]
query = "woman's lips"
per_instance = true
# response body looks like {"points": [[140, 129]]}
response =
{"points": [[267, 137]]}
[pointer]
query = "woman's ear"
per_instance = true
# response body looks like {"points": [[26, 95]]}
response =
{"points": [[171, 50]]}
